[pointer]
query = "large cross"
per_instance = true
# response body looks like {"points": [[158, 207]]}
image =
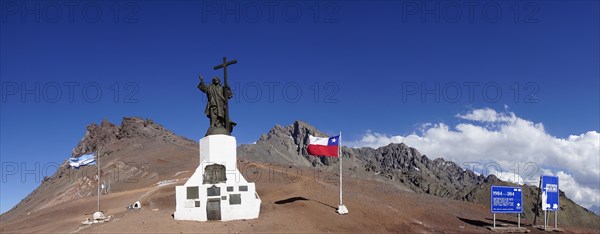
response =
{"points": [[224, 66], [226, 85]]}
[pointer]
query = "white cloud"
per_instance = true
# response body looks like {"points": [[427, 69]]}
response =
{"points": [[505, 144], [507, 176], [488, 115]]}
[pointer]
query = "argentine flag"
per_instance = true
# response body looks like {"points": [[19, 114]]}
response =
{"points": [[83, 160]]}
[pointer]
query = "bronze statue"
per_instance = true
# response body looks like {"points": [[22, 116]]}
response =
{"points": [[217, 108]]}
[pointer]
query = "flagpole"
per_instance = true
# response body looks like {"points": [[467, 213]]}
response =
{"points": [[342, 208], [98, 164], [340, 157]]}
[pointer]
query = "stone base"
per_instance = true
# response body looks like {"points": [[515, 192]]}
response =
{"points": [[231, 199], [342, 210], [217, 131], [223, 201]]}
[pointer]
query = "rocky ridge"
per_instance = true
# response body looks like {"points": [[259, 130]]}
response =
{"points": [[98, 136], [402, 165]]}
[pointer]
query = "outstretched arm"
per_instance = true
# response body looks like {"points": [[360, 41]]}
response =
{"points": [[201, 86]]}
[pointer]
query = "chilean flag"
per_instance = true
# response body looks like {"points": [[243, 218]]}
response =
{"points": [[320, 146]]}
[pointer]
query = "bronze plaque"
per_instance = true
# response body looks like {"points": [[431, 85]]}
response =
{"points": [[235, 199], [214, 174], [192, 192], [213, 191]]}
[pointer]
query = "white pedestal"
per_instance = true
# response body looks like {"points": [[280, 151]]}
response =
{"points": [[233, 199]]}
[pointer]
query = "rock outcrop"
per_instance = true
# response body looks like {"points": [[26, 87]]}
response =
{"points": [[286, 145], [98, 136]]}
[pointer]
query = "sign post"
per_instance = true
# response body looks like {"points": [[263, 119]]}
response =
{"points": [[550, 195], [505, 199]]}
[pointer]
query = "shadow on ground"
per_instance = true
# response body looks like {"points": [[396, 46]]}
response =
{"points": [[505, 221], [473, 222], [480, 223], [295, 199], [290, 200]]}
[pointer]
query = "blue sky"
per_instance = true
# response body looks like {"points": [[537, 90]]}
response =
{"points": [[342, 66]]}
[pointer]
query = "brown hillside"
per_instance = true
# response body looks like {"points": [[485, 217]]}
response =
{"points": [[145, 162]]}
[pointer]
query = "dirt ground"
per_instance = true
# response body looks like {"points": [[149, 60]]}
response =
{"points": [[299, 200]]}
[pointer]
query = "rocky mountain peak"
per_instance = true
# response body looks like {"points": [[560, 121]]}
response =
{"points": [[132, 127], [97, 136], [298, 131], [300, 127], [289, 143]]}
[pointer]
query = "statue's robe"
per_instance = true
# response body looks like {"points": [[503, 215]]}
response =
{"points": [[216, 100]]}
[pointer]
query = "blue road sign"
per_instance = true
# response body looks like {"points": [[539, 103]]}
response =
{"points": [[550, 193], [506, 199]]}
